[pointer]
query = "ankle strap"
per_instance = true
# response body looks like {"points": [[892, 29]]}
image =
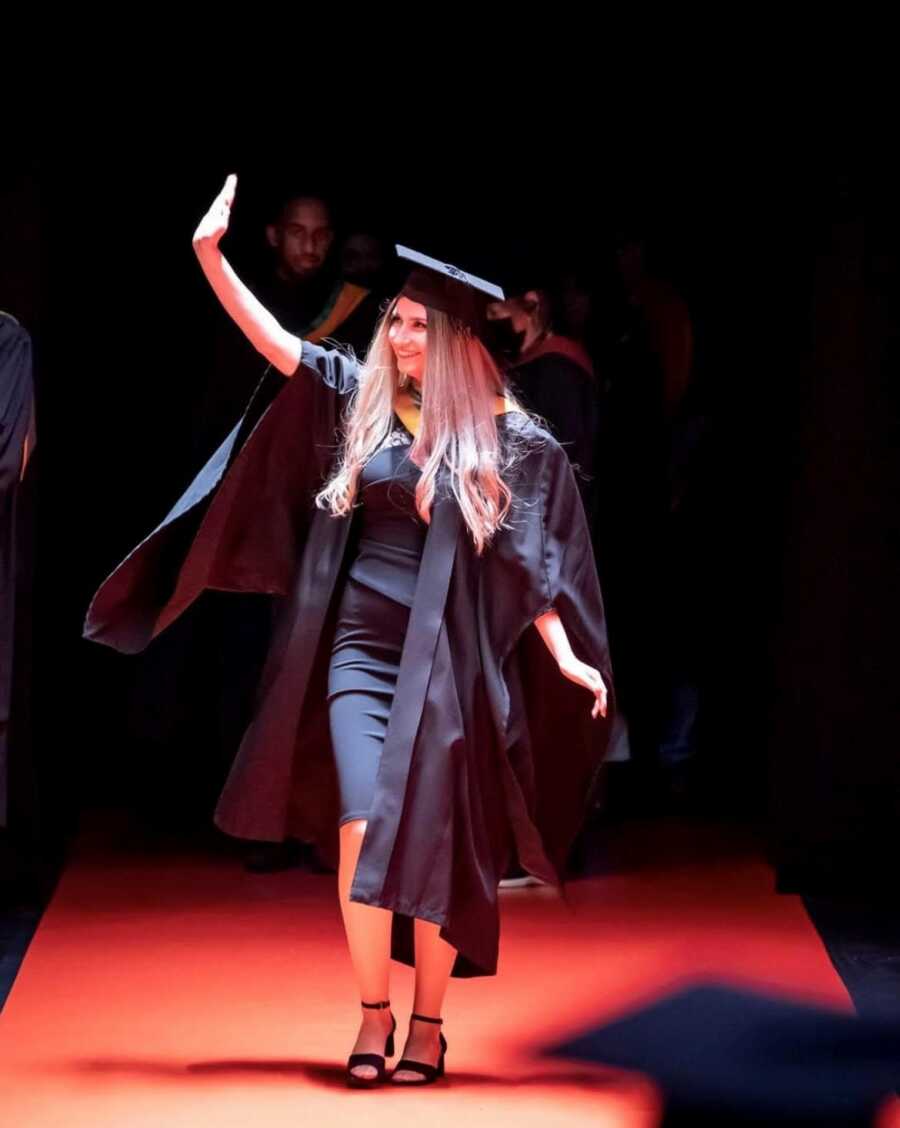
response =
{"points": [[377, 1006], [425, 1018]]}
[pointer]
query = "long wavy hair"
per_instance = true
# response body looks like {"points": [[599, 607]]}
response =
{"points": [[458, 428]]}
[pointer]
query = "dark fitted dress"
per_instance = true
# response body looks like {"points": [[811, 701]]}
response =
{"points": [[372, 619]]}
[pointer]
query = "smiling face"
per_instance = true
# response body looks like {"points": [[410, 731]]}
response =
{"points": [[407, 332]]}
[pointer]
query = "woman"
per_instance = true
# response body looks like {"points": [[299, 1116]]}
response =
{"points": [[403, 709]]}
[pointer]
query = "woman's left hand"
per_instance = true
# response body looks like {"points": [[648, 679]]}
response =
{"points": [[583, 674]]}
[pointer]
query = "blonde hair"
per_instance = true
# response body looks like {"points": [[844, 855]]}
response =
{"points": [[458, 428]]}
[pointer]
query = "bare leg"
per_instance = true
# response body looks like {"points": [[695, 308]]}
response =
{"points": [[434, 962], [368, 930]]}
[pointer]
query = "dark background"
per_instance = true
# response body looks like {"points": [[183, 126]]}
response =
{"points": [[788, 257]]}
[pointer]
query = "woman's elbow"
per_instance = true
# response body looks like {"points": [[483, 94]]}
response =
{"points": [[286, 355]]}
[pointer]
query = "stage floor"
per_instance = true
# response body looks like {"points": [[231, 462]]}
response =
{"points": [[167, 986]]}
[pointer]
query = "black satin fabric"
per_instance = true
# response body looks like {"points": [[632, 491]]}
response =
{"points": [[488, 745], [362, 679], [391, 533], [371, 620]]}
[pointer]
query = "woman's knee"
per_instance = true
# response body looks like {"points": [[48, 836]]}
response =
{"points": [[352, 833]]}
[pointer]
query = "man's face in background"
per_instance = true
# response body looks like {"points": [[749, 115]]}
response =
{"points": [[301, 238]]}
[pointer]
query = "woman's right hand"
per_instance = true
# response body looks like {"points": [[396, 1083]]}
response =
{"points": [[262, 330], [214, 224]]}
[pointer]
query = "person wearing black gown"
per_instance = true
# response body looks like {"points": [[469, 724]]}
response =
{"points": [[415, 523]]}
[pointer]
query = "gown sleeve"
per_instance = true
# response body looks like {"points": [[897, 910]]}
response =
{"points": [[543, 559], [570, 579], [16, 403], [334, 369], [242, 522]]}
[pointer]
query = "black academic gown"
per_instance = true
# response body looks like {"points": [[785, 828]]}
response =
{"points": [[488, 745], [17, 440]]}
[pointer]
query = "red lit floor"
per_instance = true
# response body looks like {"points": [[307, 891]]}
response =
{"points": [[174, 988]]}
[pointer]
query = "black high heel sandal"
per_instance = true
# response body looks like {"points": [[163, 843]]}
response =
{"points": [[429, 1072], [376, 1060]]}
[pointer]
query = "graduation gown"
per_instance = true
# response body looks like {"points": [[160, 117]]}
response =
{"points": [[17, 441], [488, 748]]}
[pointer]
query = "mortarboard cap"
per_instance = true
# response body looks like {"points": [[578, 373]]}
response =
{"points": [[447, 288], [733, 1057]]}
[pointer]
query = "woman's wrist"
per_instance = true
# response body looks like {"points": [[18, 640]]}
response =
{"points": [[554, 635], [206, 250]]}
